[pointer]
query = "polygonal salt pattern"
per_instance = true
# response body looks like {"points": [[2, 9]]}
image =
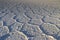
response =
{"points": [[20, 14], [10, 22], [49, 9], [40, 11], [50, 38], [16, 26], [36, 21], [56, 13], [49, 29], [8, 16], [3, 30], [26, 22], [17, 36], [39, 37], [51, 20], [31, 15], [22, 19], [31, 30], [4, 12]]}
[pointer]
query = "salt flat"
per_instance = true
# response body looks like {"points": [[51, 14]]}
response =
{"points": [[29, 20]]}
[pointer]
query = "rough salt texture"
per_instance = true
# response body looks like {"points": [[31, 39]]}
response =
{"points": [[26, 22]]}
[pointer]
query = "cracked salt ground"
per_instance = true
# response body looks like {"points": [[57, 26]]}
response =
{"points": [[51, 20], [31, 30], [26, 22], [49, 29], [17, 36], [3, 32], [16, 26], [35, 21]]}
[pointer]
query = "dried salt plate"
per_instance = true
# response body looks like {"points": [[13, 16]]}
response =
{"points": [[50, 38], [17, 36], [3, 30]]}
